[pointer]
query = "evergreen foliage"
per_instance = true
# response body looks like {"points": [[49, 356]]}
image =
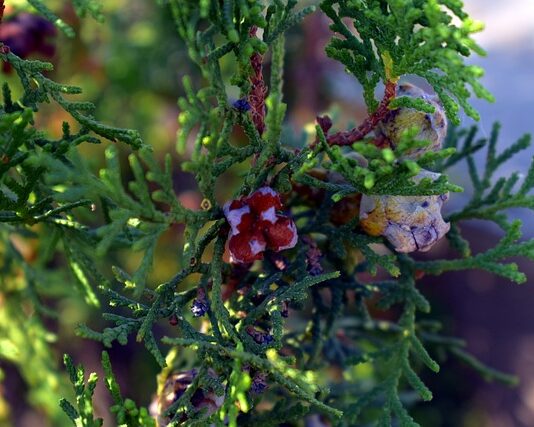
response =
{"points": [[396, 38], [125, 410], [48, 192]]}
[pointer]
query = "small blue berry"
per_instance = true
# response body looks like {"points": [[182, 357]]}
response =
{"points": [[200, 305], [259, 336], [259, 383], [199, 308], [268, 339], [241, 105]]}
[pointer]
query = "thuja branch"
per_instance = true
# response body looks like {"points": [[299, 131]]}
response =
{"points": [[369, 124], [293, 384], [32, 71], [396, 38], [491, 260], [273, 285]]}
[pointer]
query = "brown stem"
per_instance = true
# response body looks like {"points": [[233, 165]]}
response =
{"points": [[258, 90], [351, 136], [3, 48]]}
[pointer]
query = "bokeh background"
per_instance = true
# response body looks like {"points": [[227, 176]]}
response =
{"points": [[131, 67]]}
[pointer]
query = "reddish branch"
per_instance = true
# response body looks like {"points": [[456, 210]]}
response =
{"points": [[351, 136], [258, 90], [3, 48]]}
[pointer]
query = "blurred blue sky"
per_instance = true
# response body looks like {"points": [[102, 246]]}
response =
{"points": [[509, 40]]}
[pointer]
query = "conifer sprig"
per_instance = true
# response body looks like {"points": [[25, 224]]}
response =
{"points": [[396, 38], [39, 89], [231, 317], [126, 412]]}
